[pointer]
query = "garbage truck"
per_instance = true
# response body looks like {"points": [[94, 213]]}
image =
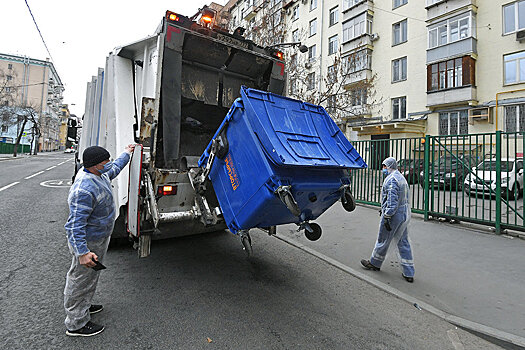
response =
{"points": [[170, 93]]}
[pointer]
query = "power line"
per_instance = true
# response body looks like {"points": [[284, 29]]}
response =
{"points": [[36, 25]]}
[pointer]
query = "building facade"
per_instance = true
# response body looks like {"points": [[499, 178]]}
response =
{"points": [[437, 67], [32, 83]]}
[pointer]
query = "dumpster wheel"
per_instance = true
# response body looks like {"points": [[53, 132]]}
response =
{"points": [[348, 201], [316, 232], [291, 204], [246, 242]]}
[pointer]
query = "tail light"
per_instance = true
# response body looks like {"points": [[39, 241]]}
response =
{"points": [[166, 190], [279, 55]]}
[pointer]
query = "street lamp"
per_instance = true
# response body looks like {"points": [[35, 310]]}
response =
{"points": [[302, 48]]}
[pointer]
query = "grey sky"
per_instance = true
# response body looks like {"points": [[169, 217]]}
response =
{"points": [[79, 34]]}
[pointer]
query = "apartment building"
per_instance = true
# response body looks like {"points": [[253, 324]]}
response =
{"points": [[437, 67], [32, 82]]}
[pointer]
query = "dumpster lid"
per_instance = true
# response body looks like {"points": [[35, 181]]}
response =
{"points": [[296, 133]]}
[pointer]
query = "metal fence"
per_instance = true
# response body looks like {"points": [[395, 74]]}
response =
{"points": [[8, 148], [476, 178]]}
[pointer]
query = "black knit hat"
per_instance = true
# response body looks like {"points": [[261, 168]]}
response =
{"points": [[94, 155]]}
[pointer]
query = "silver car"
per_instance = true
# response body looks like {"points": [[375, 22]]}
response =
{"points": [[484, 182]]}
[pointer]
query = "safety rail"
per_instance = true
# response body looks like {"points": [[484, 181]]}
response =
{"points": [[474, 178]]}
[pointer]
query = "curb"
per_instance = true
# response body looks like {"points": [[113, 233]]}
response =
{"points": [[493, 334]]}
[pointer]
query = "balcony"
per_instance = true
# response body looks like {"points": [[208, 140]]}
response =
{"points": [[362, 41], [358, 76], [456, 96], [250, 12], [455, 49], [352, 8], [436, 8]]}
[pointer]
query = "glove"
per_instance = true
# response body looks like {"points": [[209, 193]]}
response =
{"points": [[387, 224]]}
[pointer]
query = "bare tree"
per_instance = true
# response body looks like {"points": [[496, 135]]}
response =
{"points": [[346, 90], [13, 112], [268, 26]]}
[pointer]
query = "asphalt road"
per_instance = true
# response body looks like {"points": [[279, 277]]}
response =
{"points": [[195, 292]]}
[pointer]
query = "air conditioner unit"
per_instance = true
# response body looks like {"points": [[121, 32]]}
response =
{"points": [[520, 35], [374, 37], [483, 114]]}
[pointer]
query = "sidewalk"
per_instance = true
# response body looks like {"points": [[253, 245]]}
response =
{"points": [[10, 156], [460, 271]]}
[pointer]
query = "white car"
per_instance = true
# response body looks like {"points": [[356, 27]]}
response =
{"points": [[485, 178], [69, 150]]}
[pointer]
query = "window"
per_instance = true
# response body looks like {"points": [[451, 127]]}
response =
{"points": [[399, 32], [311, 53], [399, 107], [331, 103], [451, 74], [332, 45], [399, 69], [450, 31], [9, 77], [355, 27], [313, 4], [358, 97], [7, 89], [4, 128], [313, 26], [453, 123], [514, 68], [293, 86], [334, 14], [310, 81], [358, 61], [9, 66], [432, 2], [295, 13], [515, 118], [397, 3], [349, 3], [277, 18], [514, 17], [6, 103], [332, 73], [295, 35]]}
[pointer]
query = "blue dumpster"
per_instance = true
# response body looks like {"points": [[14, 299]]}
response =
{"points": [[275, 160]]}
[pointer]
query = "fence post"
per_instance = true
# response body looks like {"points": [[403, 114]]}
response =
{"points": [[427, 187], [498, 182]]}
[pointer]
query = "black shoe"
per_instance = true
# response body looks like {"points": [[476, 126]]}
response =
{"points": [[408, 279], [87, 331], [368, 265], [93, 309]]}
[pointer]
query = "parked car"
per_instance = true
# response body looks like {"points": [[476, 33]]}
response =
{"points": [[410, 168], [511, 177], [449, 171], [69, 150]]}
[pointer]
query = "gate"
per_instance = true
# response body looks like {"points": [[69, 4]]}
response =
{"points": [[475, 178]]}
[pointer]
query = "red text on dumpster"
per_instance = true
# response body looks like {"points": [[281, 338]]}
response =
{"points": [[232, 173]]}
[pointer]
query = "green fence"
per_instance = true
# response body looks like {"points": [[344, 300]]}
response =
{"points": [[8, 148], [476, 178]]}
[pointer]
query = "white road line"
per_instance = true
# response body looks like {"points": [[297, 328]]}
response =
{"points": [[54, 166], [27, 178], [10, 185]]}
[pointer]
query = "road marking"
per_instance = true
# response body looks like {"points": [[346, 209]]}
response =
{"points": [[56, 183], [10, 185], [54, 166], [40, 172]]}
